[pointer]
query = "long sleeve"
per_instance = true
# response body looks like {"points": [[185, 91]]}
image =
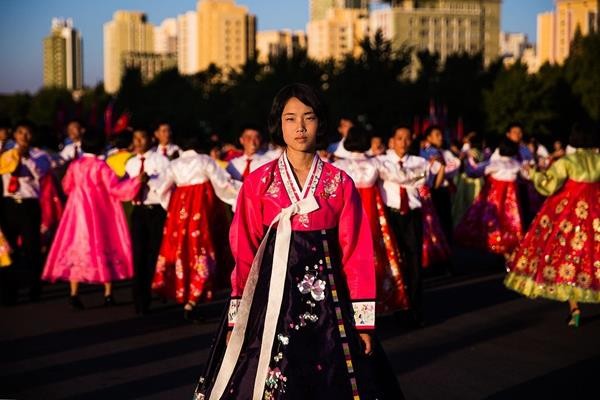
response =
{"points": [[245, 235], [552, 179], [122, 190], [163, 186], [474, 169], [225, 187], [356, 246]]}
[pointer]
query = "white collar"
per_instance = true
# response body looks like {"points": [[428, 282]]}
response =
{"points": [[189, 153], [300, 193], [357, 156]]}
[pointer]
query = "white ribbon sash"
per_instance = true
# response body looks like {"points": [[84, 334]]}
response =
{"points": [[277, 282]]}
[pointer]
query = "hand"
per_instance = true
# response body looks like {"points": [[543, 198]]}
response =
{"points": [[365, 338]]}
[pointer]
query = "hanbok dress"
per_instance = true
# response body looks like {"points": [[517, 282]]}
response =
{"points": [[194, 235], [494, 221], [92, 243], [303, 288], [467, 190], [391, 288], [559, 258]]}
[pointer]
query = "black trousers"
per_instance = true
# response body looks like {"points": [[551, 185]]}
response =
{"points": [[147, 224], [441, 201], [21, 219], [408, 229]]}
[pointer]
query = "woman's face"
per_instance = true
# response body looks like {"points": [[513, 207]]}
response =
{"points": [[299, 124]]}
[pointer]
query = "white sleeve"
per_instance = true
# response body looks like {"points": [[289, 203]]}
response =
{"points": [[226, 188]]}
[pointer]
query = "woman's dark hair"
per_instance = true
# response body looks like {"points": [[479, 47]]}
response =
{"points": [[430, 130], [358, 140], [307, 95], [93, 142], [123, 139], [508, 148], [585, 135], [193, 142]]}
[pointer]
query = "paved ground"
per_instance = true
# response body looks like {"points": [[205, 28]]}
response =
{"points": [[481, 341]]}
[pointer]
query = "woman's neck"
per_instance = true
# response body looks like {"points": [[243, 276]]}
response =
{"points": [[300, 161]]}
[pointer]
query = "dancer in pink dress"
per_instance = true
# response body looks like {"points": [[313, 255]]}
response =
{"points": [[92, 242]]}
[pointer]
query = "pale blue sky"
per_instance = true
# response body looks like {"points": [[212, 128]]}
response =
{"points": [[24, 23]]}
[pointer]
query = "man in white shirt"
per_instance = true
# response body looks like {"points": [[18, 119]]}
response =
{"points": [[147, 217], [22, 168], [72, 150], [240, 167], [401, 176], [164, 137], [337, 149]]}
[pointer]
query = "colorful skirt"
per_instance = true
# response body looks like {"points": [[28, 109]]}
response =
{"points": [[467, 190], [493, 222], [391, 289], [435, 244], [316, 353], [559, 258], [187, 260]]}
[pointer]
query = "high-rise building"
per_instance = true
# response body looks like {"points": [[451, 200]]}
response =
{"points": [[129, 31], [443, 26], [513, 44], [165, 37], [187, 43], [272, 44], [149, 64], [318, 8], [557, 29], [338, 34], [226, 34], [63, 58]]}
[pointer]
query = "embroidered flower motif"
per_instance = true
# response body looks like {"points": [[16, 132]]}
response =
{"points": [[560, 207], [596, 224], [578, 240], [196, 217], [597, 274], [276, 381], [284, 340], [533, 264], [565, 226], [584, 279], [549, 273], [304, 220], [545, 221], [567, 271], [522, 263], [183, 214], [316, 287], [330, 185], [582, 209], [274, 188]]}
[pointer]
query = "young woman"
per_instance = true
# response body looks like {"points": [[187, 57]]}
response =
{"points": [[559, 258], [493, 222], [303, 288], [186, 268], [92, 242], [364, 171]]}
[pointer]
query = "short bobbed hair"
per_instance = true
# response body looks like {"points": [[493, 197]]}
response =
{"points": [[307, 95], [358, 140]]}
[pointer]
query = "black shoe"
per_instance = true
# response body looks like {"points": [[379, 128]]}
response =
{"points": [[109, 301], [75, 303], [193, 315]]}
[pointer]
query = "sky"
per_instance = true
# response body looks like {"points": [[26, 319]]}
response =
{"points": [[24, 24]]}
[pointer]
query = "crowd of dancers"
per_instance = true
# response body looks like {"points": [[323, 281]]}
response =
{"points": [[312, 239], [138, 206]]}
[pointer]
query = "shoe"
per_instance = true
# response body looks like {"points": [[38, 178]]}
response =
{"points": [[574, 318], [75, 303], [109, 301], [192, 313]]}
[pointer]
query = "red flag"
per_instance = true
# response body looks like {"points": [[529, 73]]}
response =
{"points": [[108, 116], [122, 123], [460, 129]]}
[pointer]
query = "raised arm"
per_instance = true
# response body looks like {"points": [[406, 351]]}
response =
{"points": [[549, 181], [124, 189], [225, 187]]}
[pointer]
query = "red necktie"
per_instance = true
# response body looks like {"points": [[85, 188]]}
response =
{"points": [[165, 151], [140, 194], [247, 170], [75, 152], [404, 208]]}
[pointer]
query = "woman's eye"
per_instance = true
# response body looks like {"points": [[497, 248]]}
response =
{"points": [[290, 119]]}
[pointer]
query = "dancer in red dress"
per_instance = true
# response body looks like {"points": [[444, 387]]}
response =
{"points": [[493, 222], [186, 263], [364, 171], [559, 258]]}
